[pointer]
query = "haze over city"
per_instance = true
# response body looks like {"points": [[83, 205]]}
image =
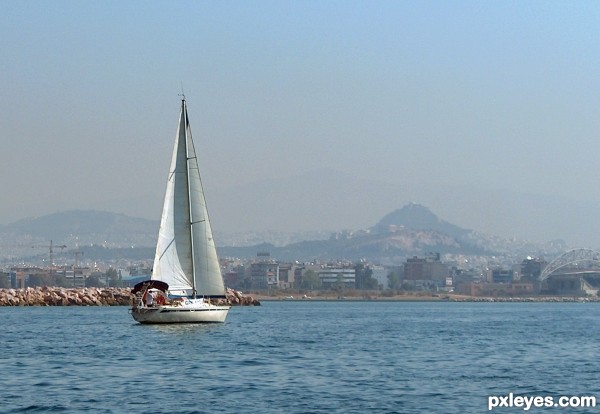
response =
{"points": [[308, 115]]}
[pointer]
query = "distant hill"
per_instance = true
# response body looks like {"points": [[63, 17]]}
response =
{"points": [[411, 230], [417, 217], [81, 227]]}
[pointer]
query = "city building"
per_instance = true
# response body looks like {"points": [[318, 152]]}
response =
{"points": [[532, 268], [380, 274], [502, 275], [332, 277], [264, 273], [423, 273], [287, 275], [495, 289]]}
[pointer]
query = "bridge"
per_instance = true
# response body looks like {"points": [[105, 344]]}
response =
{"points": [[571, 258]]}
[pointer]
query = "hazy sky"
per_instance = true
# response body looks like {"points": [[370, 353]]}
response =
{"points": [[459, 104]]}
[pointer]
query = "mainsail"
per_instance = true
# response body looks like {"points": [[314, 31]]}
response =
{"points": [[186, 256]]}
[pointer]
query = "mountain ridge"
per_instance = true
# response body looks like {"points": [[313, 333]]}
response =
{"points": [[84, 227], [411, 230]]}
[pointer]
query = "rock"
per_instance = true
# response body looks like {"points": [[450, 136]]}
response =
{"points": [[238, 298]]}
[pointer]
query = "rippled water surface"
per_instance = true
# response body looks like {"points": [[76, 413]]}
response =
{"points": [[299, 357]]}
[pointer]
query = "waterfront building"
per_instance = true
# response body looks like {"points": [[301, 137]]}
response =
{"points": [[576, 282], [232, 279], [532, 268], [264, 274], [420, 271], [300, 278], [5, 279], [333, 277], [502, 275], [20, 275], [76, 276], [380, 274], [495, 289], [287, 272]]}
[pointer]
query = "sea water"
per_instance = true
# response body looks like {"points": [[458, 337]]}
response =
{"points": [[300, 357]]}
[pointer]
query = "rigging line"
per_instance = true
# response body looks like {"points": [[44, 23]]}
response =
{"points": [[166, 248]]}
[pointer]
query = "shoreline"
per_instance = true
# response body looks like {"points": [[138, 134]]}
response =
{"points": [[111, 296], [430, 298]]}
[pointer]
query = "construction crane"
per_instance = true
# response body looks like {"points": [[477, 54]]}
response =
{"points": [[51, 247], [17, 250]]}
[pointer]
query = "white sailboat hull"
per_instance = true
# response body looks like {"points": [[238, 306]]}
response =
{"points": [[204, 313]]}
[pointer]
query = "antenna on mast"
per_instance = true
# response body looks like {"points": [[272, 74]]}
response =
{"points": [[182, 94]]}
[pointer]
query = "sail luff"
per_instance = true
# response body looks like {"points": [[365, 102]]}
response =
{"points": [[172, 262]]}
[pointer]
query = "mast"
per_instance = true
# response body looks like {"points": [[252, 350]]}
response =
{"points": [[187, 170]]}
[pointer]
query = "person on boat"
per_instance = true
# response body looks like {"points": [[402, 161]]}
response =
{"points": [[160, 299], [177, 301], [149, 299]]}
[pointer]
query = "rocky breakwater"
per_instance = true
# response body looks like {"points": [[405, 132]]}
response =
{"points": [[57, 296], [235, 297]]}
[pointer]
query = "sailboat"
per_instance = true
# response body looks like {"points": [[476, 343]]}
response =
{"points": [[186, 277]]}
